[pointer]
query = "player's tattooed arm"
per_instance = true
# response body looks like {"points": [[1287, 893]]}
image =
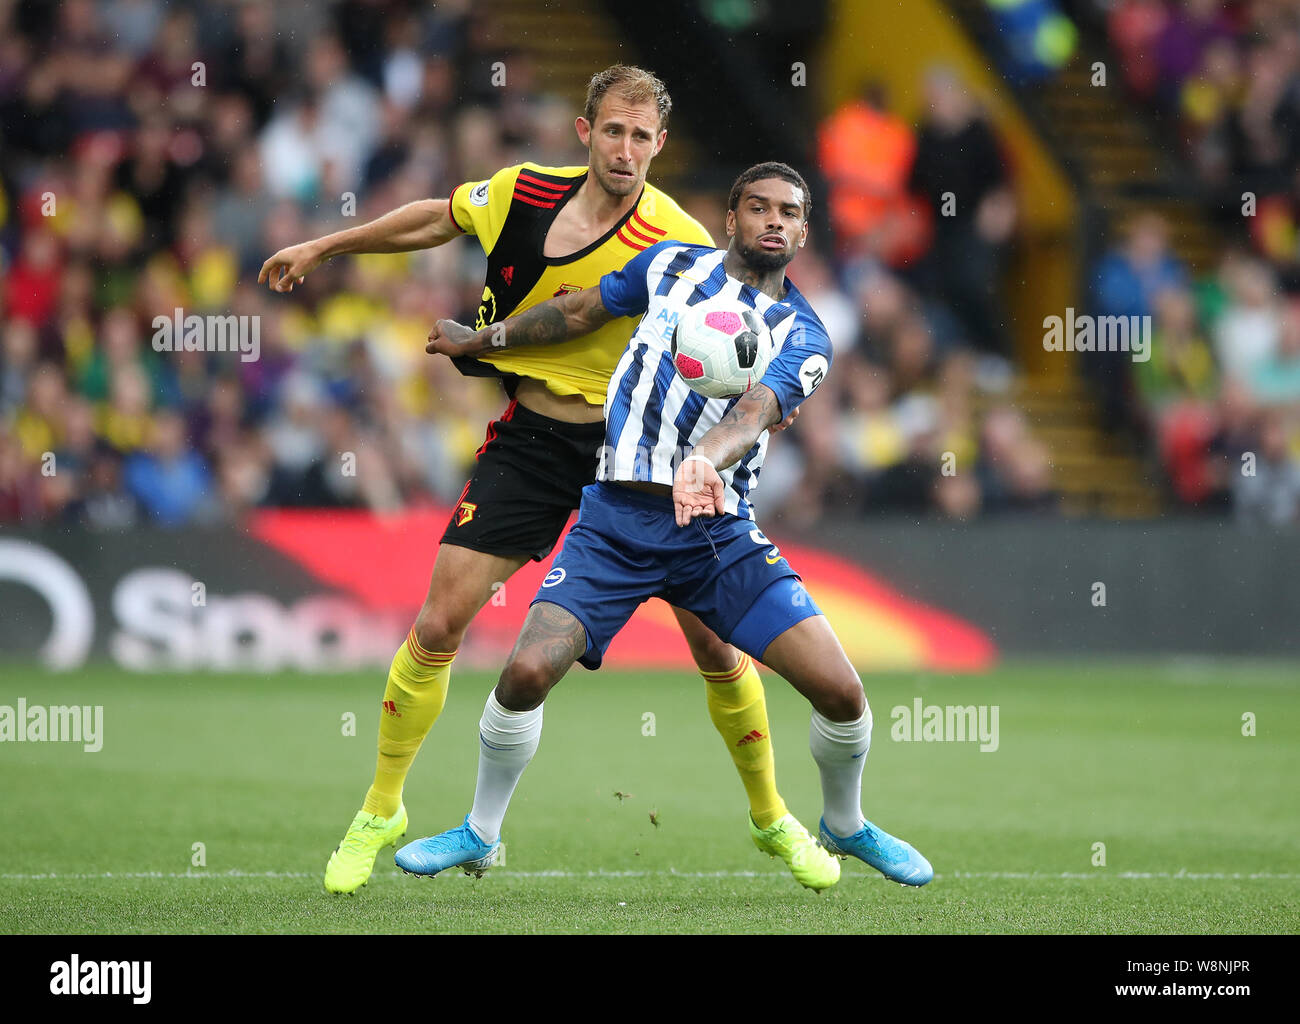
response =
{"points": [[548, 323], [697, 487], [726, 443]]}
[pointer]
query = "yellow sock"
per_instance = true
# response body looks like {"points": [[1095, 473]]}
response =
{"points": [[738, 708], [413, 700]]}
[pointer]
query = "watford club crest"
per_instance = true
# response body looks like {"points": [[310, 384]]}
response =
{"points": [[487, 310], [465, 512]]}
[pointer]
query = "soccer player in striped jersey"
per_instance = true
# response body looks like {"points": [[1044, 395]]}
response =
{"points": [[547, 231], [656, 524]]}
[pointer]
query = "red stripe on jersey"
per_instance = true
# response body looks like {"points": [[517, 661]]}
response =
{"points": [[559, 189], [538, 192], [534, 202], [649, 227], [628, 242], [638, 234], [452, 215]]}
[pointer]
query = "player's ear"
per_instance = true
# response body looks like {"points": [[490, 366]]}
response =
{"points": [[731, 223], [659, 144], [583, 127]]}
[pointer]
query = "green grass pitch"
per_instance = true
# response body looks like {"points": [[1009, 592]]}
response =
{"points": [[1199, 823]]}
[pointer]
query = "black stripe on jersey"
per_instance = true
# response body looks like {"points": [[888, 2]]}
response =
{"points": [[710, 286], [775, 313], [559, 261], [679, 263], [516, 263]]}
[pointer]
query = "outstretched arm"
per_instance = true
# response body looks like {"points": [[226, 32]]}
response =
{"points": [[418, 225], [548, 323], [697, 487]]}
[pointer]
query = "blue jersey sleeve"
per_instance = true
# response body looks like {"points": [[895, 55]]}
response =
{"points": [[801, 365], [626, 292]]}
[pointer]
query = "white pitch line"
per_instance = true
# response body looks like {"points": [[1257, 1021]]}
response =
{"points": [[1188, 876], [1191, 876]]}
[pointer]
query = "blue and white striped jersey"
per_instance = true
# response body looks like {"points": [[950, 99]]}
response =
{"points": [[652, 419]]}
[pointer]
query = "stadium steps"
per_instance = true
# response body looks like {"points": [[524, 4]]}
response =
{"points": [[569, 41], [1108, 144], [1095, 473], [1120, 167]]}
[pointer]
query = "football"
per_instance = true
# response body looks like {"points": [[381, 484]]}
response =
{"points": [[721, 349]]}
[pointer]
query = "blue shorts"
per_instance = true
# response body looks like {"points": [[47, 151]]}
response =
{"points": [[626, 547]]}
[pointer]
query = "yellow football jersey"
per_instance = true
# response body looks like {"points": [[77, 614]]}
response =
{"points": [[510, 213]]}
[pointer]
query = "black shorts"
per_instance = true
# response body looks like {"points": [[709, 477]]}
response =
{"points": [[528, 478]]}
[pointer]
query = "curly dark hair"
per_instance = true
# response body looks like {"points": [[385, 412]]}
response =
{"points": [[770, 169]]}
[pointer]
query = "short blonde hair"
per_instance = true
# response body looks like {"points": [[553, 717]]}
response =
{"points": [[633, 84]]}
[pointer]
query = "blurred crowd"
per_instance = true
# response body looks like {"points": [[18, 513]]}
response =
{"points": [[1219, 397], [153, 156], [1226, 77], [916, 416]]}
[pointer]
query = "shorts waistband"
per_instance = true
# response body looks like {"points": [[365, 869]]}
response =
{"points": [[610, 490], [587, 431]]}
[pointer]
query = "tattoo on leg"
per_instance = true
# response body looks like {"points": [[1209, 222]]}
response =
{"points": [[555, 634]]}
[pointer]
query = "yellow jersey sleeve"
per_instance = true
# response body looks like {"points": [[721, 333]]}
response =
{"points": [[479, 207]]}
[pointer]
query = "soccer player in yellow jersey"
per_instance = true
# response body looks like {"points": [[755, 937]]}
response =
{"points": [[545, 230]]}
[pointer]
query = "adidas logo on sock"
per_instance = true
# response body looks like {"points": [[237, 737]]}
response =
{"points": [[390, 708], [752, 737]]}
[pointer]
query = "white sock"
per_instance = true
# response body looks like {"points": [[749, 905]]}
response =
{"points": [[840, 748], [507, 742]]}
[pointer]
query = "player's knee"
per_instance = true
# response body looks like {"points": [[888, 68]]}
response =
{"points": [[842, 697], [525, 682], [439, 629], [711, 653]]}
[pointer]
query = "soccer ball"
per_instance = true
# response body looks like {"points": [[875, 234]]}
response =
{"points": [[721, 349]]}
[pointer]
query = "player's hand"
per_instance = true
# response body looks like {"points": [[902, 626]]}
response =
{"points": [[697, 491], [776, 428], [289, 266], [449, 338]]}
